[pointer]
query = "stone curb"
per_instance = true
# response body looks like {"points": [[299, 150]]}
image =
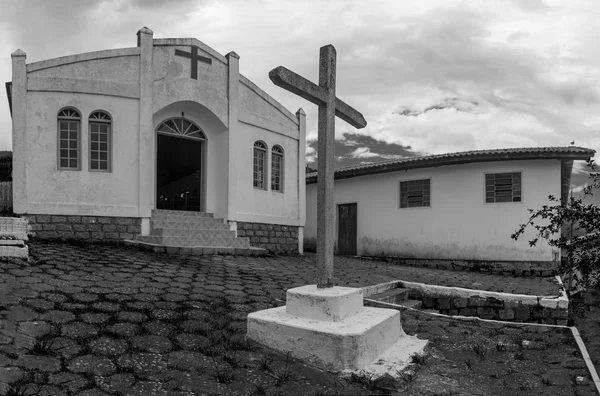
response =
{"points": [[586, 357], [197, 250], [554, 302]]}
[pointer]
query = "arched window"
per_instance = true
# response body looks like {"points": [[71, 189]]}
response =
{"points": [[260, 165], [181, 127], [69, 139], [277, 169], [100, 141]]}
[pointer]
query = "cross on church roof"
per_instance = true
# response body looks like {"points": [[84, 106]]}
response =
{"points": [[193, 55]]}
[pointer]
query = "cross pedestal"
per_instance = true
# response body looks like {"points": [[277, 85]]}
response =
{"points": [[331, 329], [324, 325]]}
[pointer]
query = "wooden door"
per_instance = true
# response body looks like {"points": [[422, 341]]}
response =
{"points": [[346, 229]]}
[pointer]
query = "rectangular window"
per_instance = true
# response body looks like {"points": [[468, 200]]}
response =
{"points": [[99, 146], [259, 168], [503, 187], [415, 193], [276, 176], [68, 144]]}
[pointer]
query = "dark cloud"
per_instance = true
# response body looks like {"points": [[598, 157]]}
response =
{"points": [[355, 149]]}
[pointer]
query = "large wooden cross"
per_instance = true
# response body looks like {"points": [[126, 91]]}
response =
{"points": [[193, 55], [323, 95]]}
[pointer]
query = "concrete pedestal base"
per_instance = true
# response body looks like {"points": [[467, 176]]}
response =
{"points": [[331, 329]]}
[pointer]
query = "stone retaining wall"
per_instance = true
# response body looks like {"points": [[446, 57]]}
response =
{"points": [[493, 308], [273, 237], [456, 301], [517, 268], [89, 228]]}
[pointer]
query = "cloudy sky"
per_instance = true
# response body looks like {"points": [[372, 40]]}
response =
{"points": [[429, 76]]}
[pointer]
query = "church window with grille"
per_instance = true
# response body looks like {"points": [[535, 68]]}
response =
{"points": [[260, 165], [277, 169], [100, 141], [69, 139]]}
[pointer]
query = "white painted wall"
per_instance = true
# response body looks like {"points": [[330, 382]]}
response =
{"points": [[458, 225], [265, 206], [80, 192]]}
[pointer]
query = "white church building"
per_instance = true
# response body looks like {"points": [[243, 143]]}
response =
{"points": [[165, 143]]}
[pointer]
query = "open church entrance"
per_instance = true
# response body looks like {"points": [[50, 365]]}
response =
{"points": [[179, 168]]}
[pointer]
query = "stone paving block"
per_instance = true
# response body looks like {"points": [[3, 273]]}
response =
{"points": [[73, 382], [40, 363], [90, 364], [151, 343], [141, 363], [8, 375]]}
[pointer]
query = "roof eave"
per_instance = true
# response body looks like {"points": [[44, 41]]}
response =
{"points": [[435, 162]]}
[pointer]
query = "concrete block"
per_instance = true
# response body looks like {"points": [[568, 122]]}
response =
{"points": [[334, 346], [328, 304], [506, 314], [459, 302], [443, 303], [486, 312]]}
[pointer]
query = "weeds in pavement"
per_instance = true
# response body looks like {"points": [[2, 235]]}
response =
{"points": [[469, 364], [42, 347], [233, 360], [417, 358], [22, 387], [546, 381], [264, 364], [282, 376], [362, 378], [259, 390], [224, 376], [481, 350]]}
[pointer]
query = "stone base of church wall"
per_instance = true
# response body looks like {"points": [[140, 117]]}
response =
{"points": [[88, 228], [281, 239]]}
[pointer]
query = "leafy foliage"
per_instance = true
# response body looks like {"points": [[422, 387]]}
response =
{"points": [[574, 228]]}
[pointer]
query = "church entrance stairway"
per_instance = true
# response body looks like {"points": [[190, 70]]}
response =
{"points": [[193, 233]]}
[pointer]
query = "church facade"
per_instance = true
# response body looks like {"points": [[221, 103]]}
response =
{"points": [[103, 141]]}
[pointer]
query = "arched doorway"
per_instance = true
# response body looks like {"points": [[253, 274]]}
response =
{"points": [[180, 152]]}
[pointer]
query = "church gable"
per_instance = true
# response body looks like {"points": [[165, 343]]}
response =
{"points": [[121, 65], [258, 108], [172, 60]]}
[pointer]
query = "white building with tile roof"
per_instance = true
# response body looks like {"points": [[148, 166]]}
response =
{"points": [[447, 210]]}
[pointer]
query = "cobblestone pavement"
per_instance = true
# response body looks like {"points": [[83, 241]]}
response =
{"points": [[124, 319]]}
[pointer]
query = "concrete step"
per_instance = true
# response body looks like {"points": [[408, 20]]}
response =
{"points": [[198, 250], [192, 233], [392, 296], [194, 241], [156, 213], [414, 304], [200, 223]]}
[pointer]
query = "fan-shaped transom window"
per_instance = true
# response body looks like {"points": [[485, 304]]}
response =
{"points": [[69, 139], [181, 127], [260, 165], [277, 169], [100, 141]]}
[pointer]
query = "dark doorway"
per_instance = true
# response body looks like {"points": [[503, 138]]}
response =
{"points": [[347, 229], [179, 173]]}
